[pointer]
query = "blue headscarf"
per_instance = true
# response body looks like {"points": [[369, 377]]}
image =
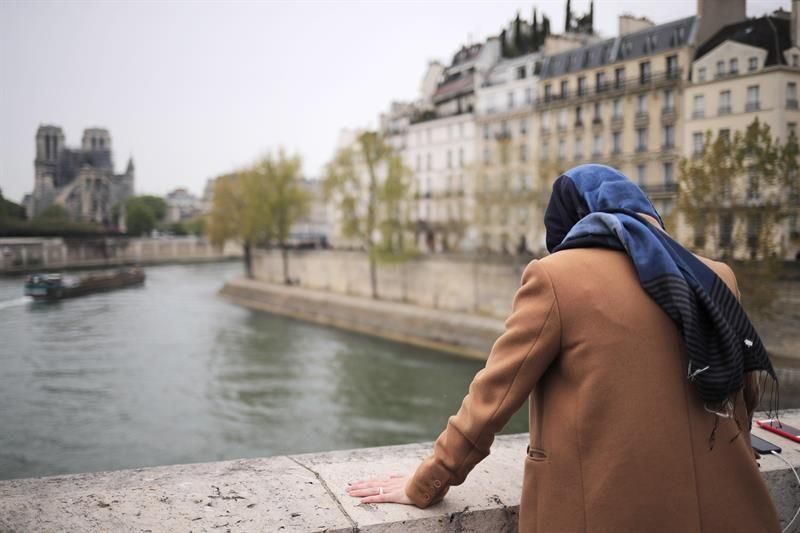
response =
{"points": [[597, 206]]}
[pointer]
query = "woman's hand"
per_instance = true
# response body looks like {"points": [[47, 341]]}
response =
{"points": [[381, 490]]}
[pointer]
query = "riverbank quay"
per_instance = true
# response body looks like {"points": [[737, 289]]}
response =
{"points": [[34, 254], [458, 333], [477, 285], [304, 493]]}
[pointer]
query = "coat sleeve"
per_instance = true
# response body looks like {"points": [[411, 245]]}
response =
{"points": [[519, 357]]}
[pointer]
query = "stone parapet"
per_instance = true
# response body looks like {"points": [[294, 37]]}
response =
{"points": [[301, 493]]}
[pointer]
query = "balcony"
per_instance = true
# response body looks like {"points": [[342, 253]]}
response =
{"points": [[752, 106], [616, 122], [642, 118], [662, 79], [562, 128], [665, 189], [698, 113], [724, 110], [642, 148], [578, 124], [791, 103]]}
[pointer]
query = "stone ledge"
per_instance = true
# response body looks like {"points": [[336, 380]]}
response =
{"points": [[300, 493]]}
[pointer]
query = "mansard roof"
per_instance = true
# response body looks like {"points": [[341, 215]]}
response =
{"points": [[772, 34], [642, 43]]}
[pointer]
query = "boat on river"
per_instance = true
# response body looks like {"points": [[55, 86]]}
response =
{"points": [[51, 287]]}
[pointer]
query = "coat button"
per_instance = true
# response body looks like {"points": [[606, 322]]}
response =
{"points": [[437, 483]]}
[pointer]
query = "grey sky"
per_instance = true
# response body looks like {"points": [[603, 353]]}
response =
{"points": [[193, 89]]}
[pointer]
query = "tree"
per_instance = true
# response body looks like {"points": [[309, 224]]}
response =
{"points": [[139, 219], [738, 191], [53, 212], [257, 205], [235, 214], [287, 201], [370, 186], [11, 210]]}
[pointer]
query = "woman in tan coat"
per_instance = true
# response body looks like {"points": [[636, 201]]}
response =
{"points": [[640, 366]]}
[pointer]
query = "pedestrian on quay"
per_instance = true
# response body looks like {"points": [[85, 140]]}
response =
{"points": [[642, 370]]}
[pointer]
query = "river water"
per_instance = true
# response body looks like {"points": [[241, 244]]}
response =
{"points": [[169, 373]]}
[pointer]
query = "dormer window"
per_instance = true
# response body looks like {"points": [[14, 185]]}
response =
{"points": [[752, 64], [701, 74], [720, 68], [733, 66]]}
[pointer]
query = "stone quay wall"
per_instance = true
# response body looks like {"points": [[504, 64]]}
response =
{"points": [[478, 286], [21, 255], [464, 284], [304, 493]]}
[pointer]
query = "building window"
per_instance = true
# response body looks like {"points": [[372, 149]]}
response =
{"points": [[598, 112], [644, 72], [597, 145], [545, 151], [562, 149], [449, 159], [419, 162], [523, 126], [521, 73], [720, 68], [641, 139], [428, 161], [697, 143], [791, 95], [668, 137], [487, 132], [528, 95], [548, 92], [733, 66], [545, 121], [461, 131], [486, 158], [792, 128], [600, 81], [581, 85], [753, 187], [619, 78], [699, 106], [725, 134], [724, 102], [511, 100], [669, 174], [701, 74], [616, 108], [641, 104], [564, 89], [523, 152], [725, 229], [578, 148], [672, 66], [616, 142], [641, 174], [461, 157], [562, 118], [669, 101], [752, 64], [753, 100], [579, 116]]}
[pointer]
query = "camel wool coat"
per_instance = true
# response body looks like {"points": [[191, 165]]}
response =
{"points": [[619, 439]]}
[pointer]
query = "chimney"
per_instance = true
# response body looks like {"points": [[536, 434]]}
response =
{"points": [[795, 26], [716, 14], [630, 24]]}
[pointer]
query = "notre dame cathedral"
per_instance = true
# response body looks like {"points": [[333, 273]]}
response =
{"points": [[82, 180]]}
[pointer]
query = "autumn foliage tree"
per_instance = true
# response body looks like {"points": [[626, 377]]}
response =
{"points": [[370, 186]]}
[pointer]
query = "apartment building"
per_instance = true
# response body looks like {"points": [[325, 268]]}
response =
{"points": [[748, 70], [618, 102]]}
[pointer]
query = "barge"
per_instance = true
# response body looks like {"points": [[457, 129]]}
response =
{"points": [[51, 287]]}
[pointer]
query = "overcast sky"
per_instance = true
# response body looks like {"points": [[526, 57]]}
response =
{"points": [[195, 89]]}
